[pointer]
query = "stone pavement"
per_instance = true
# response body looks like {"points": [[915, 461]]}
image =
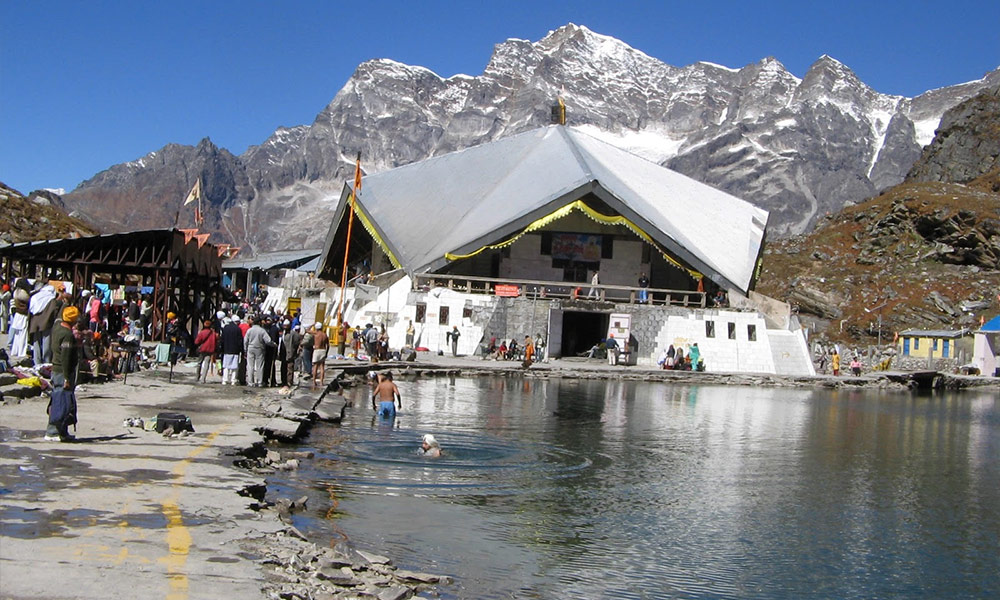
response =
{"points": [[126, 513]]}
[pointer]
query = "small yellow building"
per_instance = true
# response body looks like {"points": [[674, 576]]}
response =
{"points": [[923, 343]]}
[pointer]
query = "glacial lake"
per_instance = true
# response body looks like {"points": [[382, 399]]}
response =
{"points": [[609, 489]]}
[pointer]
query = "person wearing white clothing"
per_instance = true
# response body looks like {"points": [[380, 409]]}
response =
{"points": [[254, 343], [594, 281]]}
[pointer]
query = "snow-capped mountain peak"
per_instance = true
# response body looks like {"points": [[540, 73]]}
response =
{"points": [[799, 147]]}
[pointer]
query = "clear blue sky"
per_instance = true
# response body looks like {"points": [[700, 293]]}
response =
{"points": [[86, 85]]}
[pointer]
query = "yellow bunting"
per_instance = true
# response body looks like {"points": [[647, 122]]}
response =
{"points": [[594, 215], [375, 236]]}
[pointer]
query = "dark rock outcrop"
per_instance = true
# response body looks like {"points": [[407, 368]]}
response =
{"points": [[148, 193], [967, 145]]}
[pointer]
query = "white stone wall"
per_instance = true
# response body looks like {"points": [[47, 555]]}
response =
{"points": [[790, 353], [721, 354], [400, 303]]}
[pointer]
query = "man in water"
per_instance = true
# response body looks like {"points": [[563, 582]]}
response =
{"points": [[430, 447], [388, 395]]}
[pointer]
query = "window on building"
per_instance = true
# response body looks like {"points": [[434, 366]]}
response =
{"points": [[732, 331], [546, 249], [752, 333], [575, 271], [934, 345], [916, 343], [443, 315], [710, 329], [607, 246], [467, 312], [421, 316]]}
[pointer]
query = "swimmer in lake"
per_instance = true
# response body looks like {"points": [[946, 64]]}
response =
{"points": [[430, 446], [388, 395]]}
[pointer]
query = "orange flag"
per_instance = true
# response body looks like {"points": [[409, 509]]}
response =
{"points": [[357, 176]]}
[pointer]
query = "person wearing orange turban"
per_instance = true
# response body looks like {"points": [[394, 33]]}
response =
{"points": [[65, 366], [70, 314]]}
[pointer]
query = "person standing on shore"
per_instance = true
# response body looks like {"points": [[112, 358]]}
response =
{"points": [[5, 297], [306, 354], [270, 352], [529, 351], [206, 342], [145, 314], [612, 347], [454, 334], [65, 366], [371, 342], [232, 347], [856, 366], [284, 354], [321, 347], [254, 345], [409, 333], [695, 353], [835, 363], [345, 330], [388, 395], [293, 337]]}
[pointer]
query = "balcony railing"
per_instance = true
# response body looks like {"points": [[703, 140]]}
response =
{"points": [[531, 288]]}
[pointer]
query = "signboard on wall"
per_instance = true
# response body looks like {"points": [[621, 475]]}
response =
{"points": [[577, 247], [506, 290], [620, 324]]}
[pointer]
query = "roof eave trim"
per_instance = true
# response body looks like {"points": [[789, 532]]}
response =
{"points": [[510, 228]]}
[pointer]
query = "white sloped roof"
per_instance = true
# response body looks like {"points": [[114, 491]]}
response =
{"points": [[458, 202]]}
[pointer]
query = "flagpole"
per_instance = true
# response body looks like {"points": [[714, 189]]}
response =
{"points": [[347, 244], [194, 194], [200, 218]]}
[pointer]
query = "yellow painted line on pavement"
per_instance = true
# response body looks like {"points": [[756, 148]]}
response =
{"points": [[178, 536]]}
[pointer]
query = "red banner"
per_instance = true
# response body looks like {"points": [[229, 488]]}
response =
{"points": [[507, 290]]}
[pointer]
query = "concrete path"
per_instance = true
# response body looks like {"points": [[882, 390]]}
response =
{"points": [[126, 513]]}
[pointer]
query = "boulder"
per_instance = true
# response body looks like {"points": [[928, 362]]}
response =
{"points": [[814, 301], [942, 303]]}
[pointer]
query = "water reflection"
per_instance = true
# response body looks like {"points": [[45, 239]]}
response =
{"points": [[609, 489]]}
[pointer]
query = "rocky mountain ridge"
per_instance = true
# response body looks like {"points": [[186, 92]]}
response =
{"points": [[924, 254], [798, 147]]}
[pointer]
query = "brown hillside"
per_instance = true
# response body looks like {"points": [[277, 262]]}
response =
{"points": [[22, 220], [930, 252]]}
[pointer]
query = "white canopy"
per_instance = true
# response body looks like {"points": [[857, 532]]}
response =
{"points": [[461, 201]]}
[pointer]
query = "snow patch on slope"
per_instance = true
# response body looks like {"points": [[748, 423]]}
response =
{"points": [[655, 146], [925, 129]]}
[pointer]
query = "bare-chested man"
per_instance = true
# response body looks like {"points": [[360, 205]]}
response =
{"points": [[388, 395]]}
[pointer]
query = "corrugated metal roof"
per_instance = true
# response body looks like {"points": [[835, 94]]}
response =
{"points": [[85, 237], [312, 265], [991, 326], [935, 333], [483, 194], [289, 259]]}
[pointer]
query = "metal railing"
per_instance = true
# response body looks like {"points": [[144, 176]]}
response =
{"points": [[533, 288]]}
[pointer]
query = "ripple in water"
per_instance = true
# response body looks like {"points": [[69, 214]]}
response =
{"points": [[470, 464]]}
